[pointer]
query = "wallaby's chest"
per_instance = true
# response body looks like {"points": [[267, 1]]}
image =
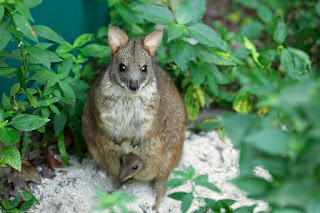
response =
{"points": [[127, 114]]}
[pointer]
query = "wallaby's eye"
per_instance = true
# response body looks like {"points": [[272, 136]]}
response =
{"points": [[144, 68], [135, 167], [121, 161], [122, 67]]}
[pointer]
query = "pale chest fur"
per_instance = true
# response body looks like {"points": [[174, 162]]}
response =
{"points": [[128, 112]]}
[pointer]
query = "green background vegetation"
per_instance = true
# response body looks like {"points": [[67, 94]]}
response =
{"points": [[266, 70]]}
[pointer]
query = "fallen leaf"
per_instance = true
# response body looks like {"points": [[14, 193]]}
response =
{"points": [[28, 172], [68, 138], [49, 156]]}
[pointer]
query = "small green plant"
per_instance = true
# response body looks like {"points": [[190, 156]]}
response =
{"points": [[186, 198], [13, 206], [113, 202], [50, 93]]}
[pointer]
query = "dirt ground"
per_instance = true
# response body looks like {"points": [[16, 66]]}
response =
{"points": [[73, 188]]}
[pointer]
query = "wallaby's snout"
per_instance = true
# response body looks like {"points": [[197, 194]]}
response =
{"points": [[133, 85]]}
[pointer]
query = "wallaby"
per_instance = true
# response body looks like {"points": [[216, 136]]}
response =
{"points": [[134, 106], [130, 164]]}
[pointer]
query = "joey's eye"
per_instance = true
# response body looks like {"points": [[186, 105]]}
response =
{"points": [[144, 68], [122, 68], [121, 161], [135, 167]]}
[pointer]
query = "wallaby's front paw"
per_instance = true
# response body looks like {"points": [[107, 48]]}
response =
{"points": [[135, 142], [118, 141]]}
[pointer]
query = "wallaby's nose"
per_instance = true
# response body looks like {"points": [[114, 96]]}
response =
{"points": [[133, 84]]}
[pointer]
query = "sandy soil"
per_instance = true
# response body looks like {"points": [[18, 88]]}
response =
{"points": [[73, 188]]}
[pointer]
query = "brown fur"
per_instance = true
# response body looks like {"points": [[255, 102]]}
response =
{"points": [[153, 119]]}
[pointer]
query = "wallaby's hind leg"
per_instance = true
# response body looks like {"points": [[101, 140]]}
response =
{"points": [[162, 179]]}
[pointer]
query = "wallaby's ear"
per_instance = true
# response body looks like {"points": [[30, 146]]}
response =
{"points": [[152, 41], [117, 38]]}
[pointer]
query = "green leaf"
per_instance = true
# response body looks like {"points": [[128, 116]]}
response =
{"points": [[242, 103], [67, 91], [11, 156], [32, 100], [45, 112], [280, 31], [54, 109], [24, 26], [209, 125], [32, 3], [190, 172], [198, 10], [212, 204], [15, 202], [43, 75], [198, 74], [5, 34], [27, 205], [6, 103], [8, 136], [237, 126], [206, 35], [287, 61], [317, 7], [23, 9], [192, 103], [48, 33], [156, 14], [2, 114], [265, 13], [184, 13], [174, 182], [253, 185], [112, 2], [181, 53], [28, 196], [202, 180], [44, 57], [6, 70], [287, 210], [21, 78], [76, 83], [82, 39], [1, 12], [273, 142], [177, 195], [43, 46], [28, 122], [213, 55], [64, 68], [63, 50], [62, 148], [251, 30], [174, 32], [14, 89], [95, 50], [60, 122], [180, 173], [6, 204], [186, 202]]}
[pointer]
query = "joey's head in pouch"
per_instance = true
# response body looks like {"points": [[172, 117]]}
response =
{"points": [[131, 61], [130, 164]]}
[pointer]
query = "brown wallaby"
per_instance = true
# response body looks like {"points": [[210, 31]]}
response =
{"points": [[134, 106], [130, 164]]}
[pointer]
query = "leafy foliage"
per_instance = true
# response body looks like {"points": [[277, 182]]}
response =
{"points": [[115, 201], [186, 198]]}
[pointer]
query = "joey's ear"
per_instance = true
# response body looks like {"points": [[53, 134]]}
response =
{"points": [[152, 41], [117, 38]]}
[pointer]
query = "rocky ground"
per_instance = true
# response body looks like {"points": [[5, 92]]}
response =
{"points": [[73, 188]]}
